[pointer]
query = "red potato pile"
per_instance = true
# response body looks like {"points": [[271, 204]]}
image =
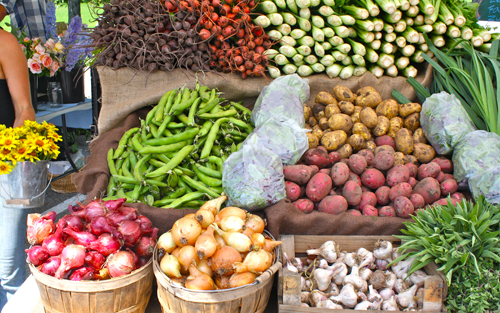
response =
{"points": [[368, 183]]}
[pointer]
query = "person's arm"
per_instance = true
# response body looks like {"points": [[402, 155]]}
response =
{"points": [[3, 12], [15, 69]]}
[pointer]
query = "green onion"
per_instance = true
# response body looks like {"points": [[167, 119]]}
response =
{"points": [[419, 20], [326, 45], [288, 40], [423, 28], [300, 63], [421, 39], [370, 6], [408, 50], [453, 31], [375, 45], [334, 20], [311, 59], [388, 28], [378, 35], [335, 41], [347, 20], [418, 57], [378, 24], [318, 34], [359, 71], [262, 21], [412, 11], [284, 29], [280, 4], [437, 40], [274, 72], [288, 51], [386, 6], [292, 6], [439, 28], [268, 7], [271, 53], [400, 26], [410, 71], [344, 48], [366, 25], [365, 36], [326, 11], [329, 32], [306, 41], [304, 24], [411, 35], [346, 72], [318, 67], [405, 5], [390, 37], [352, 32], [298, 58], [281, 59], [376, 70], [339, 56], [327, 60], [275, 18], [304, 70], [429, 53], [274, 34], [357, 12], [357, 48], [392, 18], [409, 21], [385, 60], [401, 41], [371, 55], [330, 3], [303, 3], [305, 13], [318, 50], [424, 47], [483, 33], [341, 31], [358, 60], [391, 71], [289, 69], [387, 47], [347, 60], [477, 41], [466, 33], [315, 3], [402, 62], [304, 50], [486, 48], [445, 15], [414, 2], [288, 18], [333, 70], [297, 33], [426, 7]]}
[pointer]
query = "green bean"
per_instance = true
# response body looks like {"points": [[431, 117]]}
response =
{"points": [[111, 163], [161, 106], [123, 142], [211, 138], [169, 103], [125, 179], [241, 124], [162, 157], [194, 203], [136, 192], [125, 168], [174, 125], [149, 199], [155, 183], [162, 202], [138, 167], [218, 189], [179, 108], [224, 158], [121, 159], [183, 153], [216, 160], [192, 111], [208, 171], [205, 128], [133, 158], [199, 186], [151, 114], [186, 171], [144, 131], [163, 149], [111, 186], [185, 135], [217, 151], [127, 185], [183, 118], [228, 140], [233, 148], [186, 198], [238, 147], [211, 96], [203, 93], [207, 180], [172, 180], [178, 192], [241, 107], [215, 109], [154, 130], [167, 133], [228, 113], [136, 145], [210, 105], [224, 132], [156, 163], [164, 125], [200, 143]]}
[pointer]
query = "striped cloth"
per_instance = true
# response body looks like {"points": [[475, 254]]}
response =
{"points": [[27, 15]]}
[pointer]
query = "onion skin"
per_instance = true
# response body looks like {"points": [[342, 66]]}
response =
{"points": [[255, 222], [204, 267], [241, 279], [271, 244], [170, 265], [206, 244], [205, 217], [120, 264], [228, 211], [187, 256], [255, 262], [166, 242], [185, 231], [198, 280], [222, 282], [50, 266], [223, 260], [37, 255], [214, 204], [39, 227]]}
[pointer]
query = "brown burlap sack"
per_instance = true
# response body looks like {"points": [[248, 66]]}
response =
{"points": [[124, 91]]}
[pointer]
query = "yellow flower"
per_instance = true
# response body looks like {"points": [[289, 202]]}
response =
{"points": [[59, 47], [2, 127], [20, 153], [4, 154], [8, 142], [5, 168], [32, 157]]}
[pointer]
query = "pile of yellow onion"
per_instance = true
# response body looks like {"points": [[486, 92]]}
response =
{"points": [[216, 249]]}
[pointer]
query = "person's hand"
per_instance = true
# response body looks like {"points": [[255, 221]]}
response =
{"points": [[3, 13]]}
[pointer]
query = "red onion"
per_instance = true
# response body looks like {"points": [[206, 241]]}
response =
{"points": [[113, 205], [146, 225], [40, 227], [135, 257], [121, 214], [145, 247], [37, 255], [70, 221], [73, 256], [154, 233], [51, 265], [121, 263], [54, 243], [83, 273], [90, 211], [101, 225], [81, 237], [105, 244], [131, 232], [95, 260], [142, 262]]}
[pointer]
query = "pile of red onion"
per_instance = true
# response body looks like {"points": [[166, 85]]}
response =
{"points": [[101, 240]]}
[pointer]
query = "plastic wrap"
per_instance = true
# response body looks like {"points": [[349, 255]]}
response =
{"points": [[476, 153], [284, 96], [444, 122], [253, 178], [282, 136], [486, 183]]}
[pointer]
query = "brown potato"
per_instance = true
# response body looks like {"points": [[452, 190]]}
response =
{"points": [[323, 123], [418, 136], [408, 109], [395, 124], [345, 151], [382, 126], [342, 93], [318, 110], [355, 118], [334, 139], [317, 131], [340, 122], [312, 121], [362, 130], [313, 140], [325, 98], [404, 141], [400, 158], [307, 126], [370, 145], [412, 122], [424, 153], [368, 117], [357, 109], [388, 108], [331, 110], [307, 112], [368, 97], [346, 107], [412, 159], [357, 142]]}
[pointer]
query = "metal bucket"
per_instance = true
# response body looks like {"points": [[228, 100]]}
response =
{"points": [[25, 186]]}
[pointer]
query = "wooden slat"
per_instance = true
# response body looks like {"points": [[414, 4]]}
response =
{"points": [[79, 302], [348, 243], [249, 302], [265, 293], [55, 299], [193, 307], [299, 309], [128, 296], [288, 246], [291, 288], [104, 301], [66, 300], [433, 293]]}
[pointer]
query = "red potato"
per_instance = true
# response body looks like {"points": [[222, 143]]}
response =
{"points": [[403, 207], [334, 157], [440, 177], [292, 191], [326, 171], [304, 205], [417, 201], [382, 195], [397, 174], [357, 164], [333, 205], [383, 160], [352, 192], [400, 190], [429, 189], [445, 164], [346, 161], [387, 211], [413, 182], [318, 157], [315, 170], [355, 178], [412, 168], [365, 189], [318, 187], [340, 173], [431, 169], [299, 174], [444, 201], [448, 176], [316, 205], [367, 198], [368, 155], [372, 178], [458, 196], [385, 140], [448, 187], [302, 191], [369, 210], [332, 192], [322, 148], [354, 212]]}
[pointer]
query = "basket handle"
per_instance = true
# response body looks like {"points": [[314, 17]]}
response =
{"points": [[268, 273]]}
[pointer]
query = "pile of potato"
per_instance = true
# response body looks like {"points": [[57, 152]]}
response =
{"points": [[348, 122]]}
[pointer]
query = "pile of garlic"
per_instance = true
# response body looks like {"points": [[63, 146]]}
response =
{"points": [[358, 280]]}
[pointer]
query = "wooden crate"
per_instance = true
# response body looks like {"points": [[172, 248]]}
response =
{"points": [[296, 246], [126, 294]]}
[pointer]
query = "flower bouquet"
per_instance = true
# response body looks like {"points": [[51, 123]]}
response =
{"points": [[44, 59]]}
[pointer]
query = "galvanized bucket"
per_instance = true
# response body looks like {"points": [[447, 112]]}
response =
{"points": [[25, 186]]}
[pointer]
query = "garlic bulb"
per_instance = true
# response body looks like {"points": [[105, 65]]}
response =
{"points": [[305, 305], [390, 305], [333, 290], [378, 280], [381, 264], [401, 285], [316, 296], [347, 296], [305, 284], [376, 305], [406, 299], [402, 267], [340, 257], [340, 272], [365, 273], [328, 304], [419, 297], [418, 278], [305, 296], [288, 264], [395, 253], [329, 250], [387, 293], [322, 264], [363, 306], [361, 296], [365, 258], [382, 250], [297, 262], [356, 280], [373, 295], [323, 278], [390, 279], [351, 259]]}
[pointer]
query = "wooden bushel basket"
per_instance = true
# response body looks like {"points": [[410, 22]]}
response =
{"points": [[126, 294]]}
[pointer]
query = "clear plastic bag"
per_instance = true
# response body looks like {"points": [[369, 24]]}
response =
{"points": [[253, 178], [284, 96], [282, 136], [476, 153], [486, 183], [444, 122]]}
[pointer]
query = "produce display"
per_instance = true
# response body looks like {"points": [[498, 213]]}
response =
{"points": [[216, 248], [368, 183], [174, 159], [99, 241], [361, 280]]}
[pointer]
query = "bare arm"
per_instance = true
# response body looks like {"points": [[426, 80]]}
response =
{"points": [[15, 70], [3, 12]]}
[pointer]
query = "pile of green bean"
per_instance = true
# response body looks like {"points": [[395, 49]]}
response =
{"points": [[174, 159]]}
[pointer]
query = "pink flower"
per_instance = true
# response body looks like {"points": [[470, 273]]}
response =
{"points": [[50, 44], [46, 60], [36, 57], [54, 67], [26, 39], [34, 66], [39, 49]]}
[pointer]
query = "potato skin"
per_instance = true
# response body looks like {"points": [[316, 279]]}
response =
{"points": [[368, 117], [372, 178], [448, 186], [345, 151], [403, 206], [368, 97], [346, 107], [368, 155], [334, 140], [429, 188], [318, 110], [382, 127], [382, 194], [418, 136], [325, 98], [395, 124], [342, 93], [385, 140], [412, 121], [312, 121], [362, 130], [323, 123], [370, 145], [428, 170], [423, 152], [317, 131], [313, 140], [357, 164], [402, 189], [355, 117], [357, 142], [445, 164], [384, 148], [340, 173], [318, 187], [412, 159], [388, 108], [331, 110], [404, 141], [400, 158], [397, 174], [304, 205], [340, 122], [333, 205], [307, 113], [352, 192], [383, 160], [409, 108], [292, 191]]}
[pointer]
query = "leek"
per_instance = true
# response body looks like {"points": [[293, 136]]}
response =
{"points": [[409, 21], [424, 47], [365, 36], [274, 72], [300, 63], [371, 55], [385, 60], [445, 15], [466, 33], [352, 32], [405, 5], [311, 59], [391, 71], [356, 12], [437, 40], [339, 56], [330, 3], [417, 57], [347, 61], [304, 70], [426, 7], [387, 48], [390, 37], [421, 39], [486, 48], [483, 33], [388, 28], [357, 48], [327, 60], [386, 6], [347, 20], [288, 40], [453, 31], [274, 34], [402, 63], [412, 11], [432, 18], [326, 45], [370, 6], [401, 41], [315, 3], [281, 59], [297, 33], [375, 45], [306, 41], [302, 4], [318, 50], [344, 48], [289, 19], [376, 70], [414, 3], [423, 28], [410, 71], [400, 26], [378, 35], [288, 51], [358, 60], [341, 31], [304, 50], [275, 18], [408, 50], [329, 32], [439, 28], [419, 20], [318, 34], [366, 25], [429, 53], [305, 13], [346, 72], [378, 24], [477, 41], [333, 70], [268, 7], [271, 53], [298, 58], [280, 4], [334, 20], [359, 71], [392, 18], [335, 41], [411, 35], [326, 11], [262, 21], [318, 67], [284, 29], [304, 24], [289, 69]]}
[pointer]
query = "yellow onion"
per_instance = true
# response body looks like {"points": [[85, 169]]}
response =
{"points": [[258, 241], [178, 281], [187, 256], [206, 244], [214, 205], [190, 215], [223, 260], [230, 210], [234, 239], [248, 232], [220, 241], [204, 217], [175, 252], [169, 265], [232, 223], [255, 222], [271, 244], [198, 280], [185, 231], [166, 242], [241, 279], [222, 282], [255, 262], [204, 266]]}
